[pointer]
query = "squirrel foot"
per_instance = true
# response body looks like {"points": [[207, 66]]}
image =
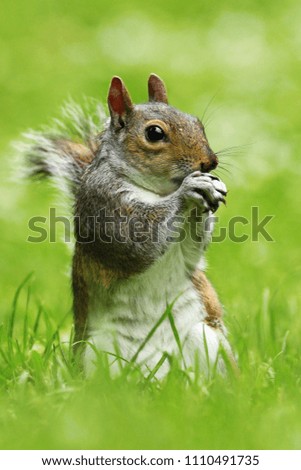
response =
{"points": [[204, 189]]}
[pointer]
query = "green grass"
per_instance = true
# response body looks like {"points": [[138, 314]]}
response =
{"points": [[246, 55], [47, 403]]}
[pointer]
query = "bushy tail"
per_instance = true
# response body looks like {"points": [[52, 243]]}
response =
{"points": [[64, 150]]}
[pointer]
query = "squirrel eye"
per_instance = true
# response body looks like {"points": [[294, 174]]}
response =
{"points": [[154, 133]]}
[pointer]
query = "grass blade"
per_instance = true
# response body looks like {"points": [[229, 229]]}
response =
{"points": [[11, 323], [175, 332]]}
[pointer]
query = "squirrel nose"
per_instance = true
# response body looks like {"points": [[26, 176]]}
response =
{"points": [[210, 164]]}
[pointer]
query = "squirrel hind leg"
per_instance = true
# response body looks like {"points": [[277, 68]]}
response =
{"points": [[209, 297]]}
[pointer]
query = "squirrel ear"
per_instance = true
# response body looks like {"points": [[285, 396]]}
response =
{"points": [[156, 89], [119, 102]]}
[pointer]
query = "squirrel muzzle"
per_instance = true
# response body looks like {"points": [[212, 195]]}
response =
{"points": [[210, 163]]}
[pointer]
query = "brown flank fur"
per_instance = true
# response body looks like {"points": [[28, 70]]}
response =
{"points": [[209, 298]]}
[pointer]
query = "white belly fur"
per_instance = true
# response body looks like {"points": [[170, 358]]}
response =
{"points": [[120, 320]]}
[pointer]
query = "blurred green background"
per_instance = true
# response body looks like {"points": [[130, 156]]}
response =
{"points": [[244, 59]]}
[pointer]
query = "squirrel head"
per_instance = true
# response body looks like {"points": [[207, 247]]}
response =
{"points": [[158, 143]]}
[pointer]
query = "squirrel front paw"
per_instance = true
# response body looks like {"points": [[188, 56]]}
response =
{"points": [[204, 190]]}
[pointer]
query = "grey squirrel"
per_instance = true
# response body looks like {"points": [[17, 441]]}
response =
{"points": [[148, 171]]}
